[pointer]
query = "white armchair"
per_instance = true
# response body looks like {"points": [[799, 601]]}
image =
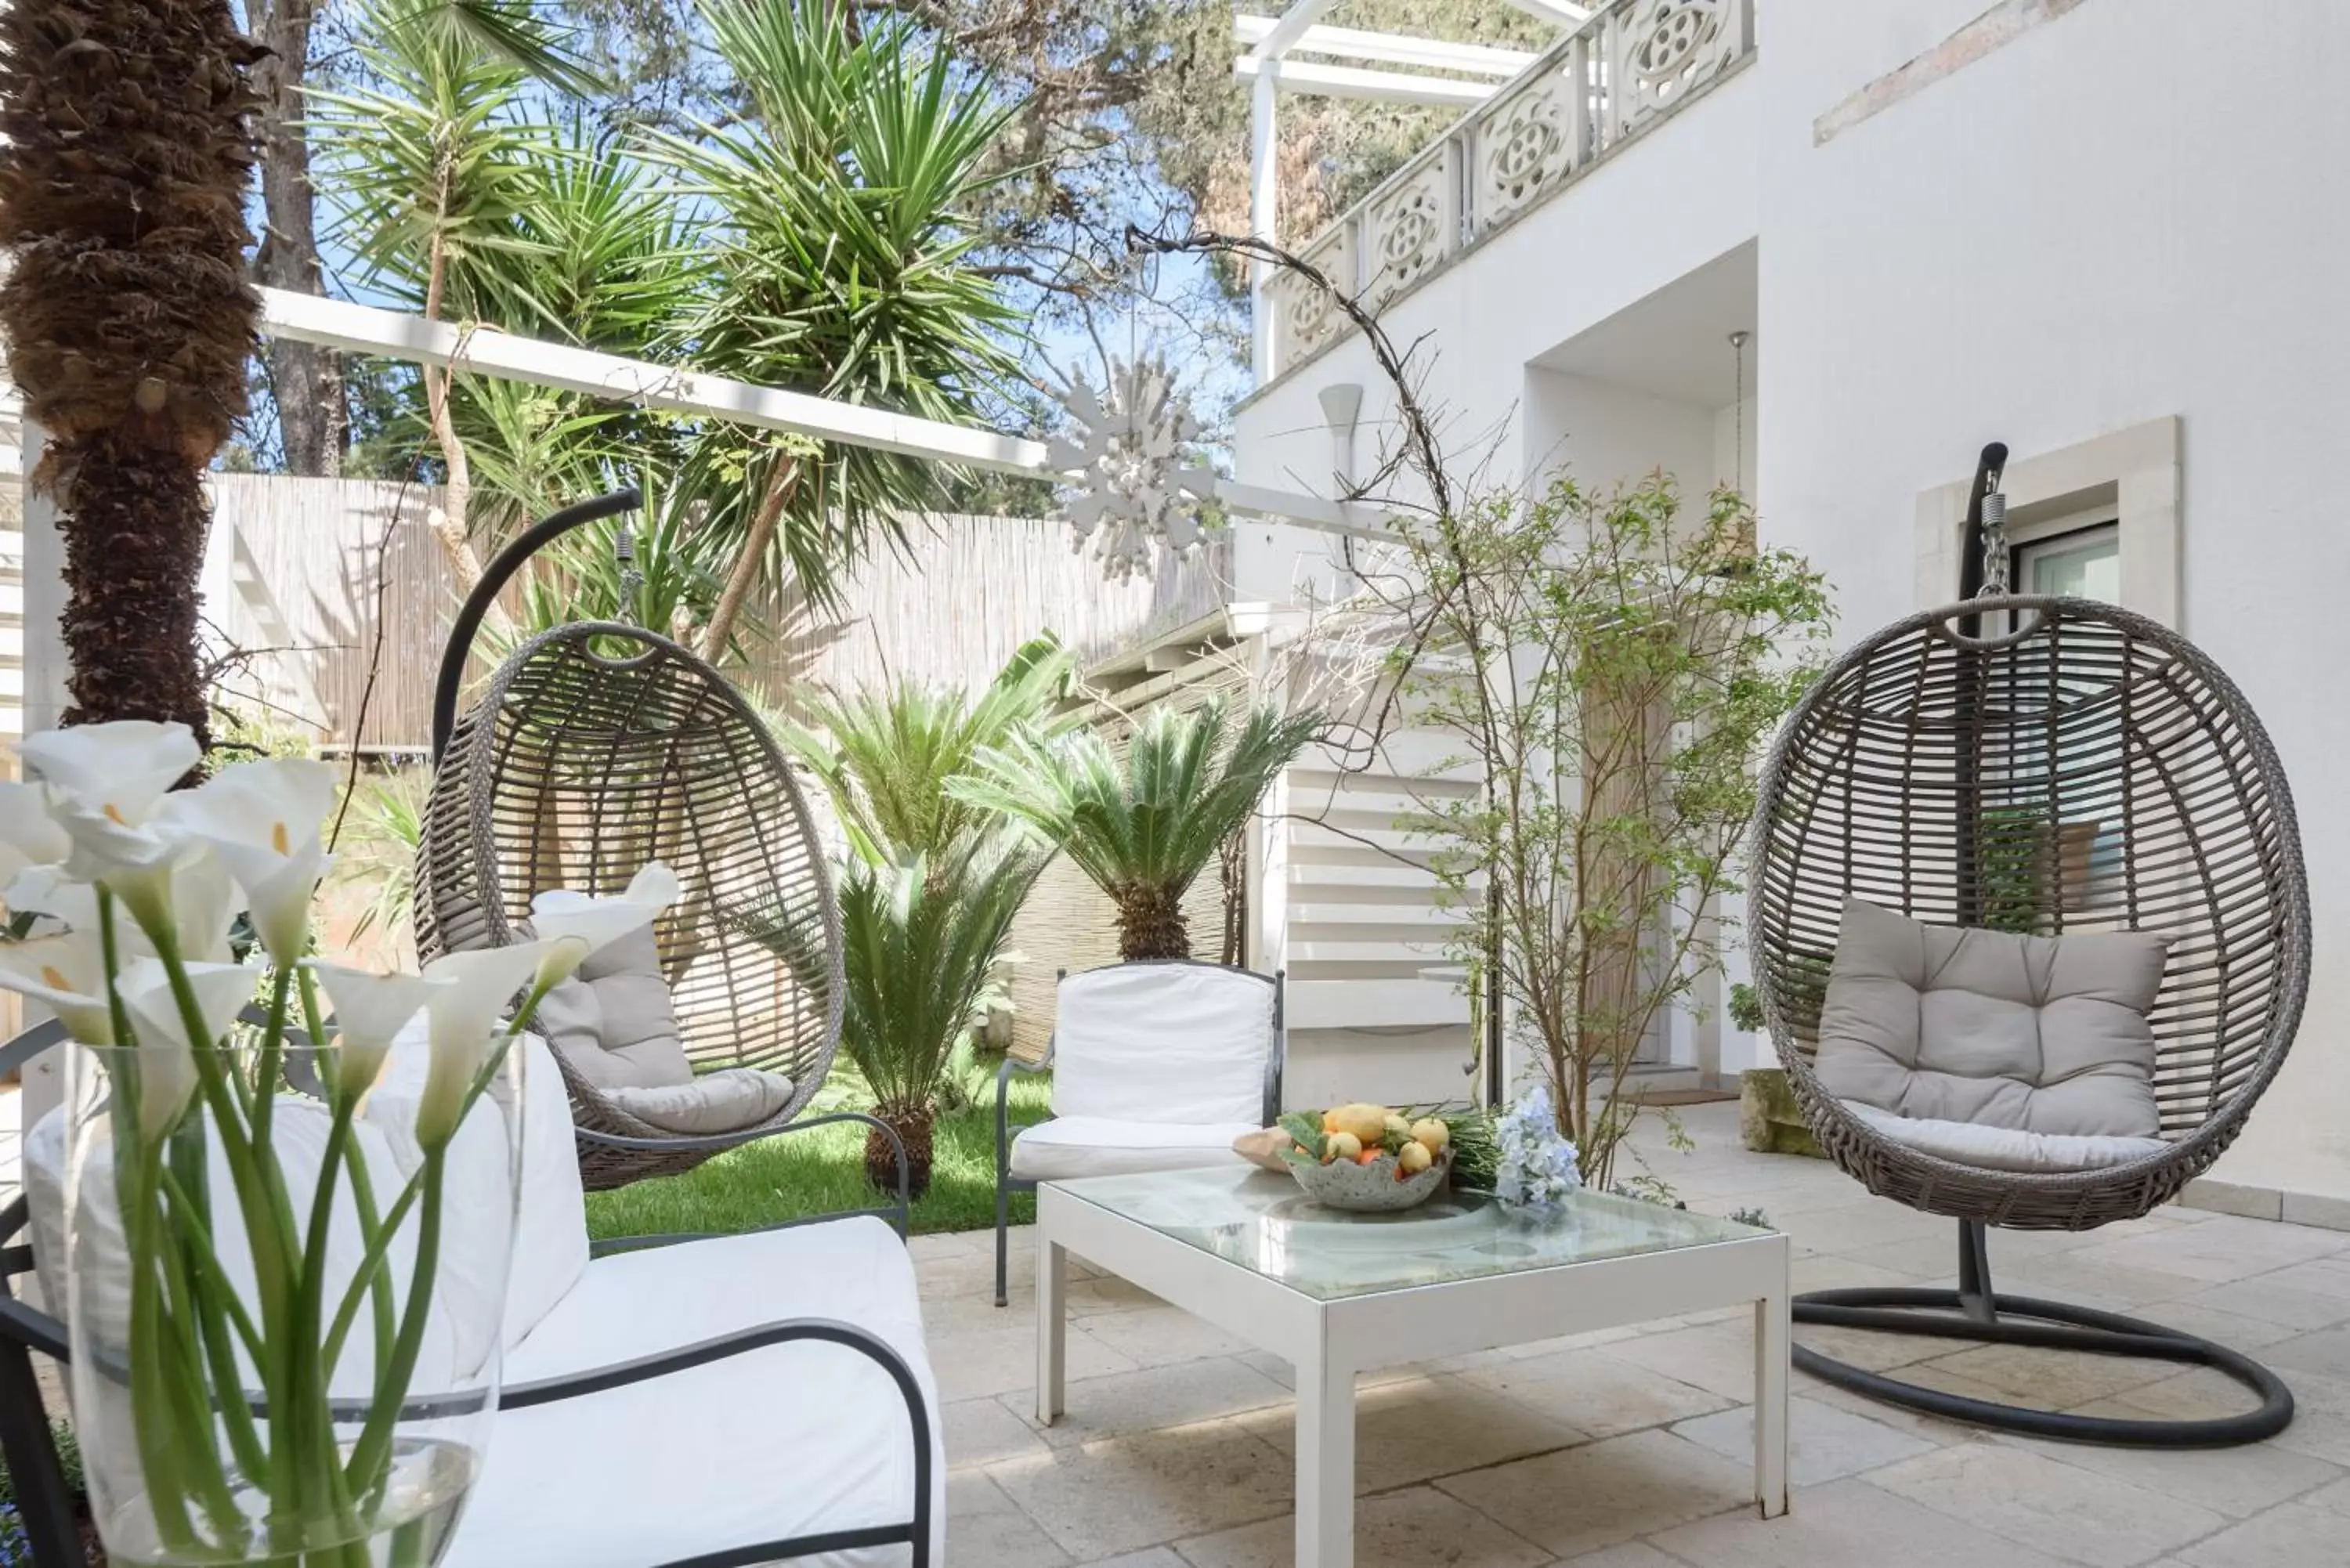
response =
{"points": [[1157, 1065]]}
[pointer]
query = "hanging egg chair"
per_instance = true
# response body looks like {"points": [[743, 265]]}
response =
{"points": [[2041, 766], [596, 748]]}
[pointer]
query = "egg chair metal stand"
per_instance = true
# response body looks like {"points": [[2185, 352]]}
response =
{"points": [[2041, 765], [599, 746]]}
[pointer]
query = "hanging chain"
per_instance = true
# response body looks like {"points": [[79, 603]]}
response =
{"points": [[1738, 410], [632, 581], [1995, 547]]}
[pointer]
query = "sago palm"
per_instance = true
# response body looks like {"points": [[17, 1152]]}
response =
{"points": [[922, 938], [129, 319], [886, 758], [1144, 822]]}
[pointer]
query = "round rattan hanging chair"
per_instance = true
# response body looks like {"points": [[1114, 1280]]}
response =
{"points": [[596, 748], [2043, 765]]}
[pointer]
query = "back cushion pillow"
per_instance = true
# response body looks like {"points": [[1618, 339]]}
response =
{"points": [[2047, 1034]]}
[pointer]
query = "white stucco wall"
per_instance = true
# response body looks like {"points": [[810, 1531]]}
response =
{"points": [[2128, 213]]}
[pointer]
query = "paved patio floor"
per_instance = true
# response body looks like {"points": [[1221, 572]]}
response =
{"points": [[1631, 1448]]}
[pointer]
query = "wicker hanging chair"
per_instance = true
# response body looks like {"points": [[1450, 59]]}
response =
{"points": [[2048, 765], [596, 748]]}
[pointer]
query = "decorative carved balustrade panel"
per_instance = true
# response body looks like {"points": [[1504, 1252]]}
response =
{"points": [[1661, 51], [1411, 225], [1532, 136], [1308, 316]]}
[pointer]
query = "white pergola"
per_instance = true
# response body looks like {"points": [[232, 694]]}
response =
{"points": [[1268, 61]]}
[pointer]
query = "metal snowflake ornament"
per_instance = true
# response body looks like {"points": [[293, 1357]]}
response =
{"points": [[1132, 485]]}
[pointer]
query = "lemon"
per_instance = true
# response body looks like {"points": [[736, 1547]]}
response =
{"points": [[1341, 1145], [1414, 1159], [1431, 1134]]}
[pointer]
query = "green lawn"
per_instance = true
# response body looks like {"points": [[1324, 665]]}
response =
{"points": [[823, 1171]]}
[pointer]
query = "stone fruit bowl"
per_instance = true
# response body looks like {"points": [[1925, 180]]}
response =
{"points": [[1366, 1159], [1373, 1189]]}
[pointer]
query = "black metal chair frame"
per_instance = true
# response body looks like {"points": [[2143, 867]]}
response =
{"points": [[1006, 1184], [46, 1508]]}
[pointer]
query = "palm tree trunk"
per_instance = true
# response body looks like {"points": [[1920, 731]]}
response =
{"points": [[128, 314], [306, 381], [1150, 923], [915, 1129]]}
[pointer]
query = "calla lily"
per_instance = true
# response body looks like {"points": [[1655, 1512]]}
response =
{"points": [[66, 974], [370, 1009], [263, 820], [464, 1012], [201, 900], [105, 783], [27, 835], [575, 924], [166, 1053]]}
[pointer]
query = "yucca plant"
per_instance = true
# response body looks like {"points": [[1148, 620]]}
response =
{"points": [[1145, 823], [886, 757], [922, 938]]}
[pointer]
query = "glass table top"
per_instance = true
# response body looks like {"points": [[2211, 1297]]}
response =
{"points": [[1263, 1222]]}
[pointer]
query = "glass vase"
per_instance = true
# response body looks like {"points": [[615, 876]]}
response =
{"points": [[284, 1319]]}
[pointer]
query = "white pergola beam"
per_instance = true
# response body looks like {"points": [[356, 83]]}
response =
{"points": [[362, 329], [1287, 29], [1374, 87], [1392, 48], [1558, 11]]}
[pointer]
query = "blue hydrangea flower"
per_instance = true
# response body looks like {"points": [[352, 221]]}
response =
{"points": [[1537, 1170]]}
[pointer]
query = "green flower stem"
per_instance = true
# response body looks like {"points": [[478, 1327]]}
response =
{"points": [[211, 1302], [378, 1276], [370, 1453], [273, 1047], [155, 1426], [371, 1268], [191, 1397], [188, 1215], [324, 1486]]}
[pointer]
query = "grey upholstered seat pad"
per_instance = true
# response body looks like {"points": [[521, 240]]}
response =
{"points": [[2045, 1034], [613, 1021]]}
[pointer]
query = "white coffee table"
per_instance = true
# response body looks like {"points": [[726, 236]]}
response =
{"points": [[1336, 1295]]}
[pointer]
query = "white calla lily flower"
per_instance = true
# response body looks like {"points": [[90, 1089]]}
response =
{"points": [[66, 974], [370, 1009], [105, 783], [263, 820], [202, 901], [166, 1053], [465, 1014], [575, 924], [28, 835]]}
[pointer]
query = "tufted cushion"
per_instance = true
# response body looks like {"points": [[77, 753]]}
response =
{"points": [[2042, 1034], [613, 1021], [723, 1101]]}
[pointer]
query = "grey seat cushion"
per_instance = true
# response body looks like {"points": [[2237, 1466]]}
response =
{"points": [[2043, 1035], [725, 1101], [613, 1021]]}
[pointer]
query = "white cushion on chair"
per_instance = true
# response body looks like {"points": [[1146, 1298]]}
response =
{"points": [[785, 1440], [1183, 1042], [2006, 1149], [728, 1100], [1098, 1145]]}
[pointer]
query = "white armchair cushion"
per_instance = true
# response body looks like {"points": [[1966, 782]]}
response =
{"points": [[1097, 1146], [787, 1440], [1178, 1043]]}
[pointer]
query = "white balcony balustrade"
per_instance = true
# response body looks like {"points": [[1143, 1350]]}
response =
{"points": [[1630, 66]]}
